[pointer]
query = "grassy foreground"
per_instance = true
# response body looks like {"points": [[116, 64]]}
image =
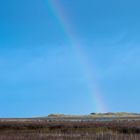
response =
{"points": [[42, 129]]}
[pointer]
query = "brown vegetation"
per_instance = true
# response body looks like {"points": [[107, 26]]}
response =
{"points": [[35, 129]]}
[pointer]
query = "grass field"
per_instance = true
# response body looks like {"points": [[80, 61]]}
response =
{"points": [[42, 129]]}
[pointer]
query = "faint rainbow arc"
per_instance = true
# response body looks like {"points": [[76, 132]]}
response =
{"points": [[78, 50]]}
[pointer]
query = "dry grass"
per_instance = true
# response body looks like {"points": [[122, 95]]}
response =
{"points": [[44, 130], [38, 135]]}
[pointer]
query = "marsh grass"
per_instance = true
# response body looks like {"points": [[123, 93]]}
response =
{"points": [[69, 130], [38, 135]]}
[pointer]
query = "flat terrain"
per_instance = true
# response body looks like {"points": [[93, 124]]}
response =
{"points": [[65, 127]]}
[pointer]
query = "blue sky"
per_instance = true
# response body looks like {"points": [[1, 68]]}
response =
{"points": [[39, 73]]}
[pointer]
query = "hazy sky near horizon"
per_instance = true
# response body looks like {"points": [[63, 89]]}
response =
{"points": [[39, 72]]}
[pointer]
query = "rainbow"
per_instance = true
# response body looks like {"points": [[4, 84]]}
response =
{"points": [[93, 86]]}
